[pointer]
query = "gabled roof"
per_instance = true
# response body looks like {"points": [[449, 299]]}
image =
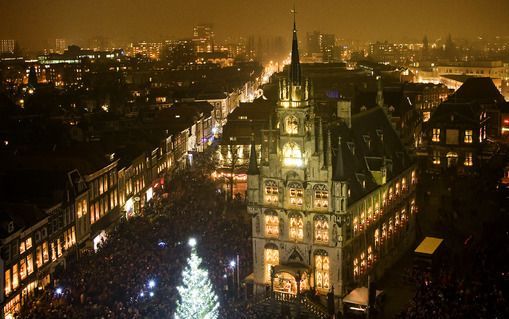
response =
{"points": [[478, 89], [370, 143]]}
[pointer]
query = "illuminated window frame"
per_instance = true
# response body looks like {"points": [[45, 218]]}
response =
{"points": [[436, 135], [322, 267], [469, 137], [271, 259], [469, 161], [321, 196], [272, 225], [296, 228], [271, 192], [295, 194], [321, 230]]}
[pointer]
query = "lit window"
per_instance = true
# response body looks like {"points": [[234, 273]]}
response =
{"points": [[7, 282], [291, 125], [296, 227], [355, 225], [468, 159], [390, 194], [321, 230], [271, 192], [403, 184], [15, 278], [321, 199], [363, 262], [322, 271], [377, 237], [296, 194], [468, 136], [436, 158], [28, 243], [436, 135], [356, 267], [371, 259], [271, 225], [397, 189], [384, 234], [22, 247], [38, 256], [45, 252], [292, 155], [22, 269], [391, 228], [271, 259], [30, 264], [396, 221]]}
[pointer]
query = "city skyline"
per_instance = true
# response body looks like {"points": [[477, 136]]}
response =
{"points": [[27, 22]]}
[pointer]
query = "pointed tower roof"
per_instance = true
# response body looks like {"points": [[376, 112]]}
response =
{"points": [[339, 169], [253, 165], [295, 64]]}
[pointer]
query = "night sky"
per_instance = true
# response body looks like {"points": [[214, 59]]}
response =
{"points": [[36, 22]]}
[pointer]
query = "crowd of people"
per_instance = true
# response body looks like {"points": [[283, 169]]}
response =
{"points": [[136, 270], [472, 277]]}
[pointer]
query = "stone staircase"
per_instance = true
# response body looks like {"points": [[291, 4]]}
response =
{"points": [[283, 305]]}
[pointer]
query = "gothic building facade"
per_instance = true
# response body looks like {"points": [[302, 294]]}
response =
{"points": [[332, 195]]}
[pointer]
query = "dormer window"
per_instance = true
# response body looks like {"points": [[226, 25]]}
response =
{"points": [[351, 147], [367, 140]]}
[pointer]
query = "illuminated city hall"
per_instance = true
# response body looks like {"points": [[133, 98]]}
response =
{"points": [[332, 197]]}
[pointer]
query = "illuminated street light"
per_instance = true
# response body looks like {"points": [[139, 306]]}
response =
{"points": [[192, 242], [151, 283]]}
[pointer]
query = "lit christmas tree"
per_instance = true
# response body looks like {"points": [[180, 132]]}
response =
{"points": [[197, 299]]}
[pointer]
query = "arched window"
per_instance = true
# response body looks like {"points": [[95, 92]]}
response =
{"points": [[296, 226], [384, 234], [391, 228], [321, 229], [371, 258], [271, 224], [356, 267], [295, 194], [377, 238], [271, 259], [292, 155], [291, 125], [271, 192], [321, 194], [322, 270]]}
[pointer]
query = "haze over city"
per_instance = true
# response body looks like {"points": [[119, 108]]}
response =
{"points": [[33, 22]]}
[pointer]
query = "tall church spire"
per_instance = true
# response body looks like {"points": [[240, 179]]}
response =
{"points": [[295, 64]]}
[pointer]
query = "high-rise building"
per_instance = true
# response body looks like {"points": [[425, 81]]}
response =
{"points": [[332, 197], [60, 45], [203, 38], [313, 43], [7, 46]]}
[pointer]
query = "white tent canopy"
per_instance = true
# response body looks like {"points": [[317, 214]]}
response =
{"points": [[359, 296]]}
